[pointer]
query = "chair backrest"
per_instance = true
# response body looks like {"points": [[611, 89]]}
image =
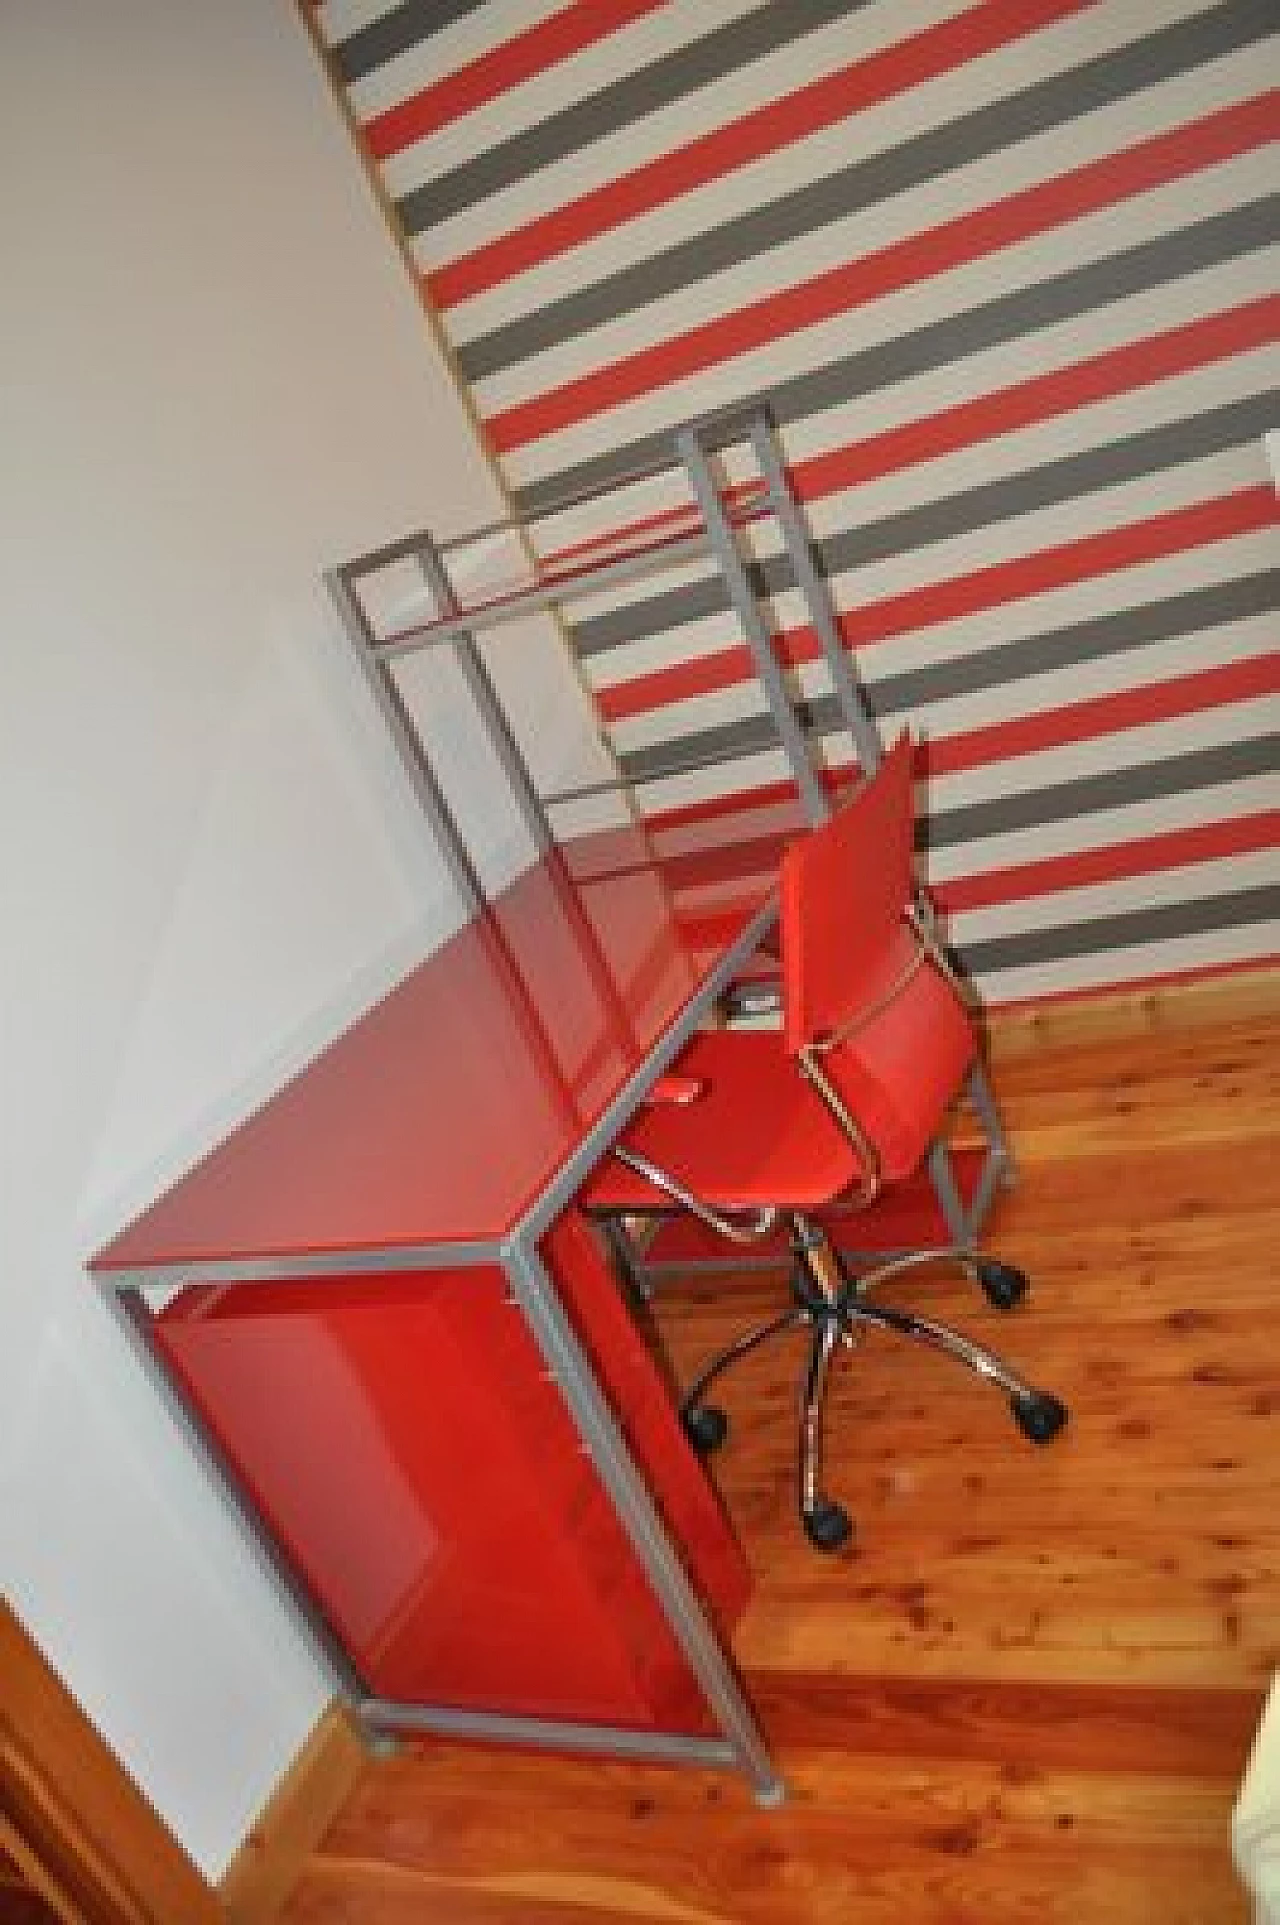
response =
{"points": [[847, 950], [844, 889]]}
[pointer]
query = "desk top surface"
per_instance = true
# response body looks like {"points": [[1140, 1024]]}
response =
{"points": [[443, 1113]]}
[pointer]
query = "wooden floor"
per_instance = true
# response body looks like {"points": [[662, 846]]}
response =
{"points": [[1028, 1693]]}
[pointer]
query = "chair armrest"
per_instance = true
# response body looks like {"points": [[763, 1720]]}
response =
{"points": [[757, 1224], [924, 920]]}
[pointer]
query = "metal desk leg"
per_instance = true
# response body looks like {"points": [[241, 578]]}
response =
{"points": [[536, 1295], [128, 1306]]}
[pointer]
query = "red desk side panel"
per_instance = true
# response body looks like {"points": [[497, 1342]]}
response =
{"points": [[402, 1441]]}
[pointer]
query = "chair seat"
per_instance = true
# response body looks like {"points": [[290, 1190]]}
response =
{"points": [[715, 1145], [756, 1134]]}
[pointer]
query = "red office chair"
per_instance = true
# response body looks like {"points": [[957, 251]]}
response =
{"points": [[844, 1102]]}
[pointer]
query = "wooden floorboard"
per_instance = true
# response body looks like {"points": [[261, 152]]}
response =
{"points": [[1028, 1692]]}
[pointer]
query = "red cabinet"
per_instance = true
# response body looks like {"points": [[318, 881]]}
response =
{"points": [[337, 1277], [401, 1437]]}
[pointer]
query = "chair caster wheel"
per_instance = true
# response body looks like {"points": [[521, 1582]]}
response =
{"points": [[827, 1525], [1004, 1286], [705, 1427], [1040, 1416]]}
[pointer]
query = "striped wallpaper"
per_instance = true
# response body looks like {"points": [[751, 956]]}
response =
{"points": [[1007, 273]]}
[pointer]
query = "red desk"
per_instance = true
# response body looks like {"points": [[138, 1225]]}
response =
{"points": [[492, 1519]]}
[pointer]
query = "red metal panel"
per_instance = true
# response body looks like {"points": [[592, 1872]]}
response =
{"points": [[445, 1110], [403, 1443]]}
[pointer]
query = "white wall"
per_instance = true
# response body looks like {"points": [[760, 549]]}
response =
{"points": [[214, 380]]}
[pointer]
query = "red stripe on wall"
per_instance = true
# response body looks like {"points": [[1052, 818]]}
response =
{"points": [[489, 75], [1115, 371], [1116, 177], [1260, 966], [853, 89], [1105, 714], [1176, 529], [999, 742], [1017, 882], [1078, 868], [735, 806], [1166, 849], [1146, 855]]}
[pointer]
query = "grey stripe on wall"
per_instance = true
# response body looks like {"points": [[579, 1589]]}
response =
{"points": [[1131, 929], [930, 156], [1108, 789], [1101, 639], [972, 823], [1159, 254], [1076, 291], [563, 134], [897, 696], [395, 32], [1188, 439]]}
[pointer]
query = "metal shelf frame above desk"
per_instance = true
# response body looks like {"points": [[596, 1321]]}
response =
{"points": [[718, 515]]}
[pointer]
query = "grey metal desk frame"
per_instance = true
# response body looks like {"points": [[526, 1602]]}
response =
{"points": [[694, 447]]}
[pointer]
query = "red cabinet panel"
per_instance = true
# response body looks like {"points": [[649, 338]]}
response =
{"points": [[401, 1439]]}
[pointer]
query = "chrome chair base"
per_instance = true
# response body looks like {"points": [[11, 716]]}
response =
{"points": [[833, 1306]]}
